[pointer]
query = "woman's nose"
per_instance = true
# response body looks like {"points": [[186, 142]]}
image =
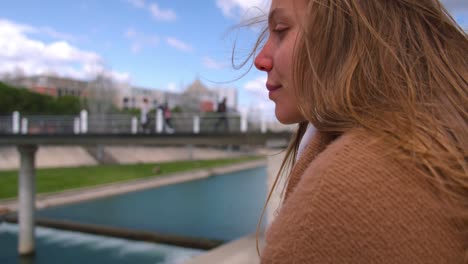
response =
{"points": [[263, 61]]}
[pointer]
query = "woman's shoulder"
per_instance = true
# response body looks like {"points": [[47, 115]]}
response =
{"points": [[360, 165], [358, 155], [356, 203]]}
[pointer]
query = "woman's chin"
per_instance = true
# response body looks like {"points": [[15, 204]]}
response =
{"points": [[287, 118]]}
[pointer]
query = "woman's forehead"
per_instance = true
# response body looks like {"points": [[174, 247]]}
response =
{"points": [[292, 9], [287, 4]]}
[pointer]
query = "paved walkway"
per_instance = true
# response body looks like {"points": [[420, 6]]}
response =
{"points": [[242, 251]]}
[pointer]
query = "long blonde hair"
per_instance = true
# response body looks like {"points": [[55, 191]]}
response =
{"points": [[397, 68]]}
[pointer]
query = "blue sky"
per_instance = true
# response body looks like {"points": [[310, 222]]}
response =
{"points": [[161, 44]]}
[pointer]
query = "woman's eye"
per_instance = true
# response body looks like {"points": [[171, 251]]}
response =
{"points": [[280, 31], [280, 28]]}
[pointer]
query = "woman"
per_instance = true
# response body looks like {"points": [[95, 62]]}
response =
{"points": [[384, 177]]}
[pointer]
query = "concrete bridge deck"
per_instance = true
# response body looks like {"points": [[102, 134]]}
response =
{"points": [[209, 139]]}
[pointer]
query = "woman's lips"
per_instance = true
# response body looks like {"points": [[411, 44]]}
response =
{"points": [[272, 89]]}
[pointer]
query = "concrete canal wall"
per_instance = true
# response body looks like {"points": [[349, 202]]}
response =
{"points": [[75, 156], [48, 156]]}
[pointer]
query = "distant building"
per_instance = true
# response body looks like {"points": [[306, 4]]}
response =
{"points": [[133, 97], [199, 98], [52, 85], [130, 97], [196, 98], [173, 99], [207, 106]]}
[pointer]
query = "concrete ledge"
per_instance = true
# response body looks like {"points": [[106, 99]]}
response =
{"points": [[187, 242], [91, 193], [241, 251]]}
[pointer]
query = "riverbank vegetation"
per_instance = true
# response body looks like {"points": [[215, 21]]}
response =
{"points": [[61, 179], [28, 102]]}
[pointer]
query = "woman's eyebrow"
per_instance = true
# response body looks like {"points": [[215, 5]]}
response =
{"points": [[274, 13]]}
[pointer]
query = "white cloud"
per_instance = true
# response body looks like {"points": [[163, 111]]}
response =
{"points": [[137, 3], [57, 34], [258, 92], [257, 86], [19, 52], [162, 14], [130, 33], [140, 40], [122, 77], [178, 44], [258, 102], [136, 47], [155, 10], [172, 87], [91, 71], [211, 63], [243, 8]]}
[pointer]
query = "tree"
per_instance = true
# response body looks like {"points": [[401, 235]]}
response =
{"points": [[27, 102], [101, 92], [100, 102], [67, 105]]}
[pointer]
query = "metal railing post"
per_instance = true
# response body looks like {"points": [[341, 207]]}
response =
{"points": [[243, 123], [16, 122], [84, 121], [196, 124], [263, 127], [24, 126], [76, 125], [159, 121], [134, 125]]}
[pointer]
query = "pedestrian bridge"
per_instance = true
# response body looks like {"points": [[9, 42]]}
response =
{"points": [[269, 139], [29, 132], [127, 124]]}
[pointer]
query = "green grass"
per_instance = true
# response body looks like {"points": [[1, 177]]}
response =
{"points": [[60, 179]]}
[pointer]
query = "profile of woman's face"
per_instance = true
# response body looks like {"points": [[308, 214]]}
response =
{"points": [[276, 57]]}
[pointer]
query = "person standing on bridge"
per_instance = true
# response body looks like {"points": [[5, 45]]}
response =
{"points": [[168, 128], [384, 176], [144, 120], [222, 115]]}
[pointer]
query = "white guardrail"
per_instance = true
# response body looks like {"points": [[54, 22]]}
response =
{"points": [[85, 123]]}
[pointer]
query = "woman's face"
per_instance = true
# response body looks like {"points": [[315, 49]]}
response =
{"points": [[276, 57]]}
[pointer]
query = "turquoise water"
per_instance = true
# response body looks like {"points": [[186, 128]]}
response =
{"points": [[54, 246], [224, 207]]}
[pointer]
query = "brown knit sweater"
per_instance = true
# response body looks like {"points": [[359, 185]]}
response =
{"points": [[347, 201]]}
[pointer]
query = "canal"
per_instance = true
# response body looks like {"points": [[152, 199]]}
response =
{"points": [[224, 207]]}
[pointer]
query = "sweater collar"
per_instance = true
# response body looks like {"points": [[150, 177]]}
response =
{"points": [[316, 144], [308, 135]]}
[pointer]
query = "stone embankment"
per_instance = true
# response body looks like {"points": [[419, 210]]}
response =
{"points": [[75, 156]]}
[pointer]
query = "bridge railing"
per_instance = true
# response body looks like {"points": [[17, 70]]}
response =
{"points": [[6, 124], [197, 123], [42, 124], [130, 124], [110, 124]]}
